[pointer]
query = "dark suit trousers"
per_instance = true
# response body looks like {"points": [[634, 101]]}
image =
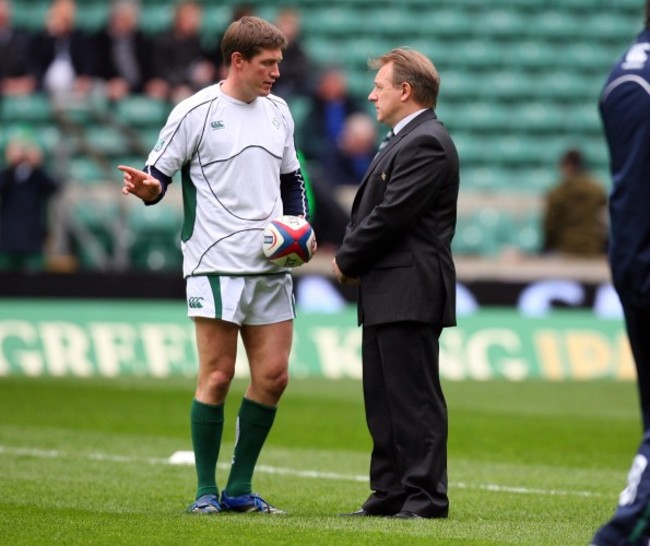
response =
{"points": [[406, 414]]}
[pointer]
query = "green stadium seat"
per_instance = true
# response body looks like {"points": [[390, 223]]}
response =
{"points": [[85, 171], [537, 117], [30, 16], [530, 55], [34, 108], [537, 180], [472, 239], [94, 225], [216, 18], [446, 23], [155, 237], [584, 118], [527, 234], [478, 116], [148, 221], [156, 17], [156, 256], [475, 53], [491, 178], [299, 106], [50, 138], [471, 148], [148, 137], [321, 49], [507, 85], [392, 23], [551, 25], [503, 24], [92, 15], [107, 141], [610, 26], [142, 111], [565, 85], [332, 21]]}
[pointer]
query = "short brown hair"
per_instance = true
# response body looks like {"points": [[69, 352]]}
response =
{"points": [[415, 68], [250, 35]]}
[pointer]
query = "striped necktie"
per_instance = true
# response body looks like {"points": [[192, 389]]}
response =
{"points": [[385, 140]]}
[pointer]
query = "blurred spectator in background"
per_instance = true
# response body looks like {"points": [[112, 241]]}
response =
{"points": [[181, 65], [62, 54], [575, 219], [295, 70], [238, 11], [25, 189], [15, 78], [331, 104], [123, 54], [356, 146]]}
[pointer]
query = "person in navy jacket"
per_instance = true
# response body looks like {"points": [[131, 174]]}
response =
{"points": [[624, 109]]}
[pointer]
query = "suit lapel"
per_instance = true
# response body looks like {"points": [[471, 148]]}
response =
{"points": [[424, 116]]}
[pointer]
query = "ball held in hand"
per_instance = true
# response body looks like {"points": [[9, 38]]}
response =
{"points": [[289, 241]]}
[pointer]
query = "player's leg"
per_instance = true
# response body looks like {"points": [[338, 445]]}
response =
{"points": [[267, 334], [631, 521], [268, 349], [217, 348]]}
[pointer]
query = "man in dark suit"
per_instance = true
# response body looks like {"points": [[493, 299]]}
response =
{"points": [[122, 52], [624, 105], [397, 248]]}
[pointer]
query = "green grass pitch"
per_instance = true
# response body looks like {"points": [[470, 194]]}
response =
{"points": [[86, 461]]}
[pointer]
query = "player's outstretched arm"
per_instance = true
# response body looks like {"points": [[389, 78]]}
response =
{"points": [[140, 184]]}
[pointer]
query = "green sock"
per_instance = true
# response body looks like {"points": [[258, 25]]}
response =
{"points": [[206, 426], [253, 425]]}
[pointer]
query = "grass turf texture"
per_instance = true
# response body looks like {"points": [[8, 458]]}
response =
{"points": [[84, 461]]}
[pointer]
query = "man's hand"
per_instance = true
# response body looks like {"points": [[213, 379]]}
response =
{"points": [[343, 279], [140, 184]]}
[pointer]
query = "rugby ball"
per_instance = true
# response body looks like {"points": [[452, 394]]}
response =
{"points": [[289, 241]]}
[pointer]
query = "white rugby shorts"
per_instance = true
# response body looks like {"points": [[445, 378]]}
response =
{"points": [[255, 300]]}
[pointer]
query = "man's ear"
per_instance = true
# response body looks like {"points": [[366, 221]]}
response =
{"points": [[236, 59], [407, 91]]}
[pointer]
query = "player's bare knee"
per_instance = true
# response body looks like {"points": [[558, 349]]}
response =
{"points": [[218, 381], [275, 381]]}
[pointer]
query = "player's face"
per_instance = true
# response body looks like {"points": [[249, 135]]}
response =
{"points": [[260, 72], [386, 96]]}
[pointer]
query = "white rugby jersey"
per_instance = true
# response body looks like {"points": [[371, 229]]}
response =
{"points": [[231, 155]]}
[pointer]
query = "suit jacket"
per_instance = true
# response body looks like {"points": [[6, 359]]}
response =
{"points": [[44, 49], [403, 218], [106, 67]]}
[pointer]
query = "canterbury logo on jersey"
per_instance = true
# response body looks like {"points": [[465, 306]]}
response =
{"points": [[195, 302], [218, 124]]}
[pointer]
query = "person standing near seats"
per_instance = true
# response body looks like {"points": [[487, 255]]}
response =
{"points": [[26, 188], [62, 55], [233, 143], [397, 248], [123, 52], [624, 104], [575, 216], [15, 77]]}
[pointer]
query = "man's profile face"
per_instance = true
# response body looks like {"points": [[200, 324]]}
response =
{"points": [[386, 96]]}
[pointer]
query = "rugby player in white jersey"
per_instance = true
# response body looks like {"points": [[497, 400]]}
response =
{"points": [[233, 143]]}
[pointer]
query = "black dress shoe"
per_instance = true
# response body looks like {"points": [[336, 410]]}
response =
{"points": [[360, 512], [404, 514]]}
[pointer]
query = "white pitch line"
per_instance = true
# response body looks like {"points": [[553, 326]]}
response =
{"points": [[184, 458]]}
